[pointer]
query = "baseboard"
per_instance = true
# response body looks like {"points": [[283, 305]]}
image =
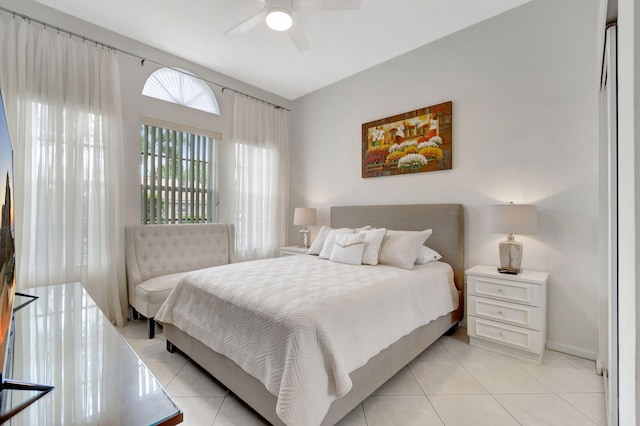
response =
{"points": [[599, 366], [571, 350]]}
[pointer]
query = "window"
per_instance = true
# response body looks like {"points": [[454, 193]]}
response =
{"points": [[179, 174], [182, 88]]}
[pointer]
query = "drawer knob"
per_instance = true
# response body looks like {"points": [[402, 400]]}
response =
{"points": [[499, 312], [499, 290]]}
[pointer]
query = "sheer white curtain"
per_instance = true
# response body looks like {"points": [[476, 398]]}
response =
{"points": [[64, 115], [260, 136]]}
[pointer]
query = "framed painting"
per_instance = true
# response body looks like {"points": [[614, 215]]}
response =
{"points": [[411, 142]]}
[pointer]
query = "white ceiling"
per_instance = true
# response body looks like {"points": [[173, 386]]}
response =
{"points": [[343, 43]]}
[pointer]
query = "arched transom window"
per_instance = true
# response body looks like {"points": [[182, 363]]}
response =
{"points": [[182, 88]]}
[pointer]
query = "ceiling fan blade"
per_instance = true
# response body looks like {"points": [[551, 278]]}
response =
{"points": [[326, 4], [246, 25], [298, 38]]}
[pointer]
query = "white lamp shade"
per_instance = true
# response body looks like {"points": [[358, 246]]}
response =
{"points": [[514, 218], [304, 216]]}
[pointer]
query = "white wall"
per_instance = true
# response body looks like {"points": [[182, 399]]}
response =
{"points": [[135, 106], [524, 87]]}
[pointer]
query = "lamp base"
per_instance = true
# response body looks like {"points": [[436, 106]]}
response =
{"points": [[510, 256], [304, 238]]}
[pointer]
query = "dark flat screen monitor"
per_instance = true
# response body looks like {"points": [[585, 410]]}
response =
{"points": [[7, 238]]}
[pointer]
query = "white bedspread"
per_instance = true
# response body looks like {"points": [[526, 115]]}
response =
{"points": [[300, 324]]}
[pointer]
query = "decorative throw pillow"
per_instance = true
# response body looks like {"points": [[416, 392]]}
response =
{"points": [[327, 247], [348, 248], [316, 246], [318, 243], [426, 255], [400, 248], [372, 244]]}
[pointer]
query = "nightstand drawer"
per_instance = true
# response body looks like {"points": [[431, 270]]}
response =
{"points": [[518, 315], [511, 291], [520, 338]]}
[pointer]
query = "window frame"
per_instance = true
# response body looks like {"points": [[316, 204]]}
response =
{"points": [[213, 173]]}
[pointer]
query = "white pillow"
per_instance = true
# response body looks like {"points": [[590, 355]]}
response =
{"points": [[401, 248], [327, 247], [372, 243], [426, 255], [318, 243], [348, 248], [316, 246]]}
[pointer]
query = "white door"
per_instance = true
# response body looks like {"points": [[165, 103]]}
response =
{"points": [[608, 359]]}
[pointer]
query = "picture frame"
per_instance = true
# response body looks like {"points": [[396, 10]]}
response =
{"points": [[412, 142]]}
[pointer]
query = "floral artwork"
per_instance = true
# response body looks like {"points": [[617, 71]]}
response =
{"points": [[412, 142]]}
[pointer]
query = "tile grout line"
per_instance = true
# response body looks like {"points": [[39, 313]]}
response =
{"points": [[559, 395], [485, 388], [577, 409], [467, 370], [505, 408], [489, 392], [425, 394], [573, 367], [364, 413], [553, 392], [512, 362], [219, 409]]}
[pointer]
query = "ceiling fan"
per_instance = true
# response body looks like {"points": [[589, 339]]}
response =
{"points": [[278, 15]]}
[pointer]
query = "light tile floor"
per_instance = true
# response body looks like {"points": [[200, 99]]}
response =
{"points": [[450, 383]]}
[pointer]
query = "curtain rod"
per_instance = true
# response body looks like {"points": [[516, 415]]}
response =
{"points": [[133, 55]]}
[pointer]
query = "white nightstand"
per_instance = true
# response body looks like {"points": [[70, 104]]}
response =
{"points": [[292, 250], [507, 313]]}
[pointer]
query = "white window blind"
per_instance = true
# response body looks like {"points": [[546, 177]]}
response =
{"points": [[178, 174]]}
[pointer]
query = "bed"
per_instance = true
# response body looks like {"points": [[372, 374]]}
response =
{"points": [[285, 389]]}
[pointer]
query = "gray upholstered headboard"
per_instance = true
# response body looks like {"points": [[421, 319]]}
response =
{"points": [[446, 221]]}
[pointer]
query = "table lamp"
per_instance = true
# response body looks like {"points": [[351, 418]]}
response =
{"points": [[305, 216], [512, 219]]}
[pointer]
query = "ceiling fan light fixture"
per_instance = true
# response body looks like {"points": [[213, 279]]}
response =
{"points": [[279, 19]]}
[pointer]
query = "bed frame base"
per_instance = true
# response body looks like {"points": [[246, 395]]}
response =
{"points": [[366, 379]]}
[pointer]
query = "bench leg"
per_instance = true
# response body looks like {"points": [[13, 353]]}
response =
{"points": [[134, 314], [152, 328]]}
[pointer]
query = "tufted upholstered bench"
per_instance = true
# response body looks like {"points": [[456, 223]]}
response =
{"points": [[157, 256]]}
